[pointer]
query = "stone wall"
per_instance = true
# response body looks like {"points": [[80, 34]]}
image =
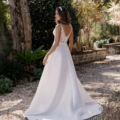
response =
{"points": [[89, 55], [112, 48]]}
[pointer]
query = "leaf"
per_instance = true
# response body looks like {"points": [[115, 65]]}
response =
{"points": [[38, 49], [21, 55], [27, 54], [33, 58]]}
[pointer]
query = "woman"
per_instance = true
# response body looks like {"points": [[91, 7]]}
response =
{"points": [[60, 95]]}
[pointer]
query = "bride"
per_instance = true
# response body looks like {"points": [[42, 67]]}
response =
{"points": [[60, 94]]}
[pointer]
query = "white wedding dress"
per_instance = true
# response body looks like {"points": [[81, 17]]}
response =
{"points": [[60, 95]]}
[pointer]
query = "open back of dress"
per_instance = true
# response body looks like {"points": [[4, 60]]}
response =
{"points": [[60, 94]]}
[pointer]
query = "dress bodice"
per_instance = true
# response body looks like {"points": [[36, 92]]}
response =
{"points": [[63, 37]]}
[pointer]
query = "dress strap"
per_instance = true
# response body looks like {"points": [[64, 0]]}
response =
{"points": [[61, 26]]}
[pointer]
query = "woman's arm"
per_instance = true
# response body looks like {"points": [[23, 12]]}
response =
{"points": [[56, 39], [71, 41]]}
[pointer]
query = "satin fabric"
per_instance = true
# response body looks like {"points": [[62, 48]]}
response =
{"points": [[60, 94]]}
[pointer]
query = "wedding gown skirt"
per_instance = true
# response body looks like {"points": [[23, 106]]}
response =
{"points": [[60, 94]]}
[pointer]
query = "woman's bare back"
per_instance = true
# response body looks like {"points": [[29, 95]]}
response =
{"points": [[67, 29]]}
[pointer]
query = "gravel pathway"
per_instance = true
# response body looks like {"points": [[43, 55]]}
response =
{"points": [[100, 79]]}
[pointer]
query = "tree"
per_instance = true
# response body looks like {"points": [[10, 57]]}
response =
{"points": [[86, 9], [21, 25], [114, 13]]}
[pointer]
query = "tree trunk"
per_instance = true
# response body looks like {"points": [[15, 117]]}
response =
{"points": [[119, 30], [87, 42], [80, 42], [87, 35], [77, 44], [21, 25], [6, 31], [102, 27], [95, 27]]}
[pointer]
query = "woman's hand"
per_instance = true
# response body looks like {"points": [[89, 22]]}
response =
{"points": [[45, 60]]}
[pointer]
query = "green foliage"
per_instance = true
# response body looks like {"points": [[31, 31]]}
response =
{"points": [[43, 21], [93, 39], [3, 8], [13, 70], [39, 64], [84, 42], [28, 57], [110, 29], [100, 44], [5, 84], [37, 72], [104, 36]]}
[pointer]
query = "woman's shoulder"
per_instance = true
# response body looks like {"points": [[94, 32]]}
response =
{"points": [[58, 26]]}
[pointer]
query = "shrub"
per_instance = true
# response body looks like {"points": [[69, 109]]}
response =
{"points": [[37, 72], [5, 85], [13, 70], [98, 44], [29, 58], [93, 39], [101, 43], [105, 36]]}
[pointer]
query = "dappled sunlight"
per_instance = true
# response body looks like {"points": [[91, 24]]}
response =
{"points": [[13, 105], [111, 74], [9, 104], [15, 115], [98, 79], [101, 78], [115, 57], [118, 78]]}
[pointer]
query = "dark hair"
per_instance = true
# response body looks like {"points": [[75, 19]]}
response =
{"points": [[64, 14]]}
